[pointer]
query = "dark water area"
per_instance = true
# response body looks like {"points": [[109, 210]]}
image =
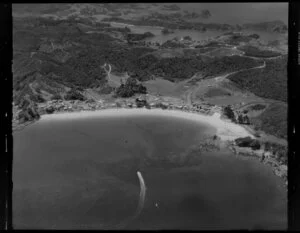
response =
{"points": [[82, 174]]}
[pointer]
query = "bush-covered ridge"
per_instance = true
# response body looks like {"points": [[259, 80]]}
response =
{"points": [[180, 68], [273, 120], [270, 82]]}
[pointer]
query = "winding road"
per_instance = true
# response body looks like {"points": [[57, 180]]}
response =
{"points": [[220, 78], [189, 93]]}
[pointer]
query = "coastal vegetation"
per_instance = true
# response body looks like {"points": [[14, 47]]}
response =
{"points": [[248, 142], [243, 119], [28, 114], [74, 95], [229, 113], [280, 151], [130, 88], [269, 149], [273, 120]]}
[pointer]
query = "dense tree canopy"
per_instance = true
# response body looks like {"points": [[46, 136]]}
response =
{"points": [[130, 88], [270, 82]]}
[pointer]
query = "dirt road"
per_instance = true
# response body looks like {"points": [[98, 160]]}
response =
{"points": [[190, 93]]}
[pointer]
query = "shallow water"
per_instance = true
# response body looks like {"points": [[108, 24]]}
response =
{"points": [[82, 174]]}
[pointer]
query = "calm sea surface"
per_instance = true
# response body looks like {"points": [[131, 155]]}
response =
{"points": [[82, 174]]}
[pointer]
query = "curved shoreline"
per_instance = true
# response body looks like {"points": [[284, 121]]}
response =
{"points": [[225, 130]]}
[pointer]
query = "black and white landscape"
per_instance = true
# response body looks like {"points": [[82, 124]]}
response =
{"points": [[150, 116]]}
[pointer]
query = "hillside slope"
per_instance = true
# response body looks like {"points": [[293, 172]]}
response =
{"points": [[270, 82]]}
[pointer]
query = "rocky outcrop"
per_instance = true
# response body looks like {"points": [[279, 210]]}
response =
{"points": [[267, 157]]}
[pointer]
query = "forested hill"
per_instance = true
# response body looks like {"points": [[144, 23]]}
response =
{"points": [[54, 56], [270, 82]]}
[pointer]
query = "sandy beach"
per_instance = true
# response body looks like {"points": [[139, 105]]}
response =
{"points": [[225, 130]]}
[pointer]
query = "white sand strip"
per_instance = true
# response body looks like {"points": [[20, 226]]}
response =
{"points": [[225, 130]]}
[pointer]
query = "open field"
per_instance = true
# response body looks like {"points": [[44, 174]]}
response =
{"points": [[166, 88]]}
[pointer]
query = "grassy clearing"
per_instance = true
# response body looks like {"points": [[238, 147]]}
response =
{"points": [[215, 92], [163, 87], [117, 79]]}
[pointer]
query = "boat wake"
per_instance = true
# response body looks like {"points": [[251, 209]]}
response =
{"points": [[140, 204]]}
